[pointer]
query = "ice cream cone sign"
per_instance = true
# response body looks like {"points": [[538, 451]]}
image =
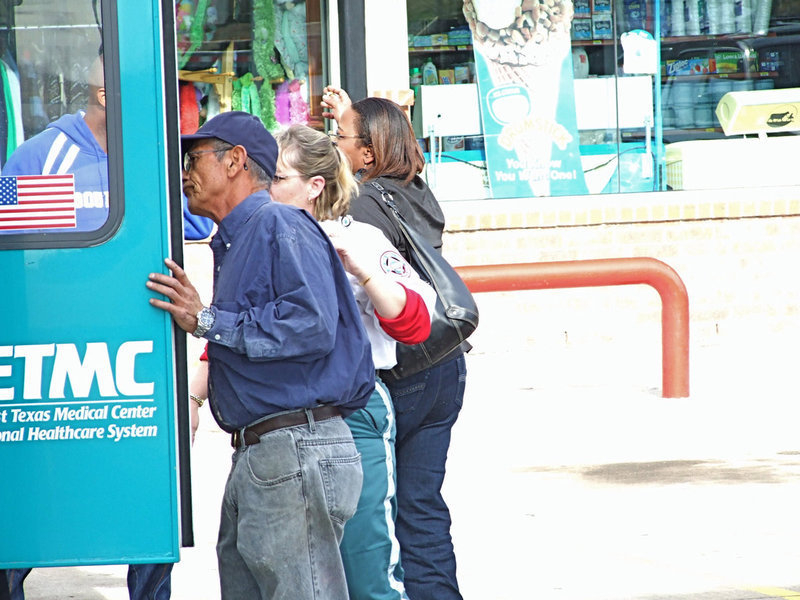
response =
{"points": [[525, 80]]}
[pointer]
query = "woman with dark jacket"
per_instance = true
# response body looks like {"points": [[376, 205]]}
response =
{"points": [[377, 138]]}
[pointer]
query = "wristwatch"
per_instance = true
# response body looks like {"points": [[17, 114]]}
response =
{"points": [[205, 321]]}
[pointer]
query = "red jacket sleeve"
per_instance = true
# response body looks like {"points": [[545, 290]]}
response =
{"points": [[413, 324]]}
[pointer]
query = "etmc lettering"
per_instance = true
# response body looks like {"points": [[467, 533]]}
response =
{"points": [[67, 365]]}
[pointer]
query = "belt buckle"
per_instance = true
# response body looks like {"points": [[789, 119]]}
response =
{"points": [[236, 439], [239, 438]]}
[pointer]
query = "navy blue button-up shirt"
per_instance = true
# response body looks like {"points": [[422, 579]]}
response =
{"points": [[287, 333]]}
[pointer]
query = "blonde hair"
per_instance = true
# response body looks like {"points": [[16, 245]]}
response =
{"points": [[312, 154]]}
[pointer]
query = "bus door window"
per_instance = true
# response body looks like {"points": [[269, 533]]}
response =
{"points": [[53, 135]]}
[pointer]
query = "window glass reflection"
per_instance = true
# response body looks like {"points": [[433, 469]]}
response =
{"points": [[636, 85], [53, 146]]}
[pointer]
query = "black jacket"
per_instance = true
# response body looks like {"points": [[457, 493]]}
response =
{"points": [[415, 203], [419, 208]]}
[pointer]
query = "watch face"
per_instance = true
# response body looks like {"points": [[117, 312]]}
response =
{"points": [[205, 319]]}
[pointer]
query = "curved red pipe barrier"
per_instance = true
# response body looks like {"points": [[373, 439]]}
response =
{"points": [[605, 272]]}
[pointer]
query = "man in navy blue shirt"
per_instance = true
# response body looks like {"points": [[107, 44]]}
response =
{"points": [[288, 358]]}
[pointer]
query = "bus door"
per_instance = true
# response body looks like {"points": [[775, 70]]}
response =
{"points": [[89, 371]]}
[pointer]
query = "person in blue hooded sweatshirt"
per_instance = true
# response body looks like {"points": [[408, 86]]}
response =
{"points": [[76, 144]]}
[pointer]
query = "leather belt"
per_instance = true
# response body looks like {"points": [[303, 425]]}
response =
{"points": [[250, 435]]}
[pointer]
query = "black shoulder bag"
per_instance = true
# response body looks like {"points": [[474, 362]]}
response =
{"points": [[455, 316]]}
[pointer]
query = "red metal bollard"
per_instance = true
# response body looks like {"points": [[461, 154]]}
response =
{"points": [[605, 272]]}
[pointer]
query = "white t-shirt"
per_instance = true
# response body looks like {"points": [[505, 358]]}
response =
{"points": [[369, 241]]}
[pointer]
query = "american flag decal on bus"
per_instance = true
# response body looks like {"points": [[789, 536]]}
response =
{"points": [[37, 202]]}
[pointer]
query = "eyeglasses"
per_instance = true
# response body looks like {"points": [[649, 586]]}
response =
{"points": [[338, 136], [189, 157], [279, 178]]}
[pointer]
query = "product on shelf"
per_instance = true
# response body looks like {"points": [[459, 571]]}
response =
{"points": [[601, 6], [582, 29], [692, 15], [744, 16], [414, 81], [677, 20], [761, 13], [582, 8], [459, 36], [602, 27], [580, 63], [770, 61], [430, 75], [634, 12], [453, 142], [447, 76], [461, 73]]}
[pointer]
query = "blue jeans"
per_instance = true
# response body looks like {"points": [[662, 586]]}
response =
{"points": [[150, 582], [15, 578], [426, 405], [285, 504], [370, 550], [145, 582]]}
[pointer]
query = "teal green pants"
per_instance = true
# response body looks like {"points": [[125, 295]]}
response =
{"points": [[370, 550]]}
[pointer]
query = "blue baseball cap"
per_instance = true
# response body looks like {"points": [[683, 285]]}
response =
{"points": [[240, 129]]}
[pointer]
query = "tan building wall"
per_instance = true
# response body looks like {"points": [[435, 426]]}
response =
{"points": [[742, 274]]}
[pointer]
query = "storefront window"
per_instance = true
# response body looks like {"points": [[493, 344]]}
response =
{"points": [[54, 188], [264, 57], [570, 97]]}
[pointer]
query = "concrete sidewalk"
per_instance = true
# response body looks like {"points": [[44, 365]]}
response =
{"points": [[569, 476]]}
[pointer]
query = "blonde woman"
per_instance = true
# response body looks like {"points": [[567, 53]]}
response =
{"points": [[313, 174]]}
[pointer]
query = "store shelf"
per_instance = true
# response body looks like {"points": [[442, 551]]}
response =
{"points": [[592, 42], [429, 49], [724, 37], [684, 39], [737, 76], [673, 129]]}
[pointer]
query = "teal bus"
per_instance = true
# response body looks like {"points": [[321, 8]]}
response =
{"points": [[93, 414]]}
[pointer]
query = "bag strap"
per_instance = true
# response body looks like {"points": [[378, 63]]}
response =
{"points": [[388, 199], [407, 232], [389, 208]]}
